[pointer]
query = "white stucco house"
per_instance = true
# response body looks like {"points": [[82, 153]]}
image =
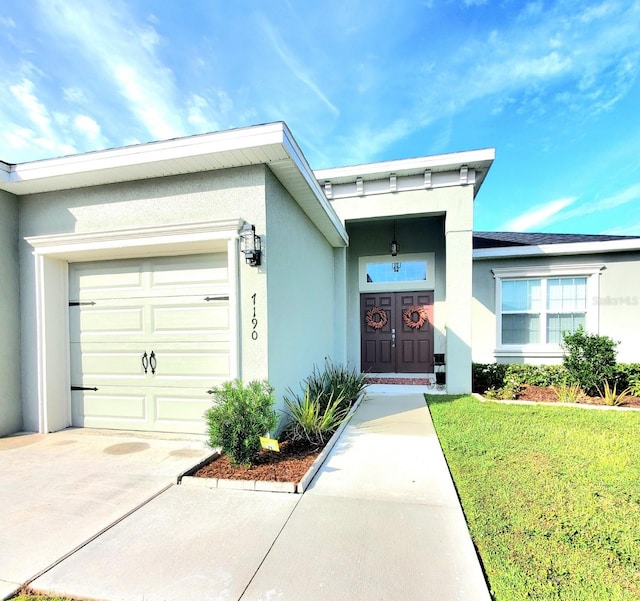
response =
{"points": [[131, 281]]}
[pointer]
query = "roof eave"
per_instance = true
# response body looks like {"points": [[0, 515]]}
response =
{"points": [[572, 248], [271, 144]]}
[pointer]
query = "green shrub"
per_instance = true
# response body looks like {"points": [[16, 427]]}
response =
{"points": [[589, 359], [504, 393], [634, 386], [239, 417], [520, 374], [487, 376], [625, 374], [312, 420], [335, 381]]}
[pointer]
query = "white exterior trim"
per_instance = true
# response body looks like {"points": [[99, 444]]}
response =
{"points": [[547, 350], [52, 256], [571, 248]]}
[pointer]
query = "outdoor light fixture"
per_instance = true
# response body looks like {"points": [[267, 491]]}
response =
{"points": [[250, 244], [393, 247]]}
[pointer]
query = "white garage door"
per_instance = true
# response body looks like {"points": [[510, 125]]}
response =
{"points": [[149, 337]]}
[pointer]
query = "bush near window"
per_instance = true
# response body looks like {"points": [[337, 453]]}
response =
{"points": [[627, 375], [488, 376], [506, 378], [239, 417], [485, 376], [589, 359]]}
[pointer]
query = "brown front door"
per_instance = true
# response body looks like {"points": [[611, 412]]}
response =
{"points": [[397, 332]]}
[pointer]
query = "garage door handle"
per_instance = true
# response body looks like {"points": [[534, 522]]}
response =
{"points": [[145, 362], [153, 362]]}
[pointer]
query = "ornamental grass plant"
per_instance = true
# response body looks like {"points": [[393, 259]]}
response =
{"points": [[335, 381], [311, 420]]}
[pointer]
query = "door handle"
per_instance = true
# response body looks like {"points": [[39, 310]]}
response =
{"points": [[145, 362], [153, 362]]}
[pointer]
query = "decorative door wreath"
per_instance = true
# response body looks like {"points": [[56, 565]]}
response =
{"points": [[376, 318], [415, 316]]}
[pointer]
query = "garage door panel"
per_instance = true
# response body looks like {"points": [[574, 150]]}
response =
{"points": [[181, 411], [188, 274], [199, 319], [109, 279], [95, 409], [104, 322]]}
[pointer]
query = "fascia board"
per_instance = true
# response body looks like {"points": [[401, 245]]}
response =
{"points": [[152, 152], [572, 248], [309, 178], [443, 162]]}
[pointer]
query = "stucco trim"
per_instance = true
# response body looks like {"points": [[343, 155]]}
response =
{"points": [[52, 254]]}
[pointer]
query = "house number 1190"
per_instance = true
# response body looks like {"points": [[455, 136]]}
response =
{"points": [[254, 321]]}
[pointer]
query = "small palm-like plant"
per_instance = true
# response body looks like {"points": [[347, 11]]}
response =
{"points": [[610, 396], [311, 420], [568, 393]]}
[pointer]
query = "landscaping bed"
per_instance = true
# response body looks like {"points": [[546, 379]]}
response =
{"points": [[547, 394], [289, 465]]}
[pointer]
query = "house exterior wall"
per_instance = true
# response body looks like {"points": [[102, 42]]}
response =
{"points": [[233, 193], [10, 401], [301, 292], [613, 308]]}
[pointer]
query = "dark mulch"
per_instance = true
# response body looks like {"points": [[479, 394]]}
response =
{"points": [[289, 465], [546, 394]]}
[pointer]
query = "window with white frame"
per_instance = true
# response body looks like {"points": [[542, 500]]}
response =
{"points": [[535, 309]]}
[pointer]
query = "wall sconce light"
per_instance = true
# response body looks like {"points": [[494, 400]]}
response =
{"points": [[394, 247], [250, 244]]}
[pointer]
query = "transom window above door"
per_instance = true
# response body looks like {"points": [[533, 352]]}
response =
{"points": [[535, 311], [404, 272]]}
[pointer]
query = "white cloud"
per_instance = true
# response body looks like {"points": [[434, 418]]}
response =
{"points": [[106, 34], [36, 112], [539, 216], [74, 94], [294, 65], [88, 126]]}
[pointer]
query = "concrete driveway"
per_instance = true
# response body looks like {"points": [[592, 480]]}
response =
{"points": [[58, 491]]}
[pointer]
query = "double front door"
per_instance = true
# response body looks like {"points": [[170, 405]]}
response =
{"points": [[397, 332]]}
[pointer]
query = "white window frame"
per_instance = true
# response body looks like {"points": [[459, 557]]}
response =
{"points": [[546, 349], [428, 284]]}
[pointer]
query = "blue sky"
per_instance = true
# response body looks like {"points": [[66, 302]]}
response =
{"points": [[552, 85]]}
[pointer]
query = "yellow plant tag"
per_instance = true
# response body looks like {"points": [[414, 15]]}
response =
{"points": [[271, 444]]}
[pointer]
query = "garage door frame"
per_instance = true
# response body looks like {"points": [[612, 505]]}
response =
{"points": [[52, 256]]}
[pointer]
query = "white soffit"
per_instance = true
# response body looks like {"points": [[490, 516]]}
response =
{"points": [[271, 145], [479, 161], [571, 248]]}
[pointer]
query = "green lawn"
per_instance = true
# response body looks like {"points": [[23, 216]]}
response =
{"points": [[551, 496]]}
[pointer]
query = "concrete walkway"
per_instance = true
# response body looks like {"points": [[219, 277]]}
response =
{"points": [[380, 521]]}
